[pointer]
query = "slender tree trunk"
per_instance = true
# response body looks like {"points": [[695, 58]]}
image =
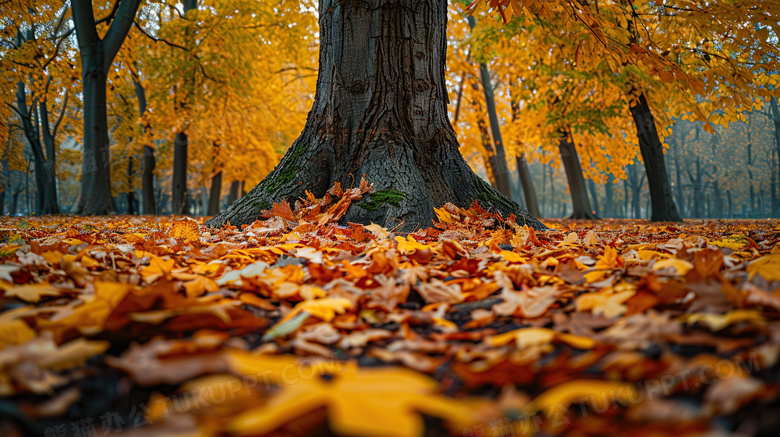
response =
{"points": [[625, 198], [678, 176], [15, 202], [7, 184], [594, 195], [45, 177], [527, 184], [179, 192], [571, 162], [776, 119], [552, 190], [728, 199], [148, 162], [774, 185], [215, 194], [523, 172], [750, 167], [233, 195], [379, 110], [653, 156], [545, 198], [609, 193], [130, 188]]}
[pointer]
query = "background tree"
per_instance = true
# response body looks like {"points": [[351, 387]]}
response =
{"points": [[97, 55]]}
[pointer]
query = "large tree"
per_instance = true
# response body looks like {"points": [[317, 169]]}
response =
{"points": [[97, 55], [379, 111]]}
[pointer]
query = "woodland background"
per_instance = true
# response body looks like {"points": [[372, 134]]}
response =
{"points": [[232, 82]]}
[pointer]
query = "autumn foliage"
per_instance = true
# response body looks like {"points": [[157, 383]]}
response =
{"points": [[477, 325]]}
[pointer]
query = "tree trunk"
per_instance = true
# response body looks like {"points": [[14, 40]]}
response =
{"points": [[215, 194], [379, 111], [45, 177], [97, 55], [15, 202], [7, 184], [148, 163], [678, 176], [527, 183], [594, 196], [571, 163], [233, 195], [179, 191], [773, 185], [523, 172], [130, 189], [608, 197], [776, 119], [96, 166], [653, 156], [180, 194]]}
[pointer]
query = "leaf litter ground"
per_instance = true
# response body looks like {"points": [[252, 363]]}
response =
{"points": [[476, 326]]}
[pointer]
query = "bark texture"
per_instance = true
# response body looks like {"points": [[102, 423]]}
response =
{"points": [[379, 111], [652, 151], [571, 163]]}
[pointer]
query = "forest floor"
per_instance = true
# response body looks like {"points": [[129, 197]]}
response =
{"points": [[475, 326]]}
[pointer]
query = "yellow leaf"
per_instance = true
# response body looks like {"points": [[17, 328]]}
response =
{"points": [[409, 246], [717, 322], [32, 292], [157, 268], [682, 267], [323, 309], [766, 266], [562, 395], [733, 242], [15, 332], [529, 337], [360, 402], [185, 229]]}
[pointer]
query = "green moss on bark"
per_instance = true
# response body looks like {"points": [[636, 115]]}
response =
{"points": [[381, 197]]}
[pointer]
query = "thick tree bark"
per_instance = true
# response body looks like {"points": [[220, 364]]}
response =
{"points": [[215, 194], [379, 111], [571, 162], [652, 151], [97, 55]]}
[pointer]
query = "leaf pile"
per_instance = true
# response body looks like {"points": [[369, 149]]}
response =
{"points": [[297, 325]]}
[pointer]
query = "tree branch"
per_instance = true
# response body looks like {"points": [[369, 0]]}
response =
{"points": [[62, 114], [84, 23], [125, 17], [156, 39]]}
